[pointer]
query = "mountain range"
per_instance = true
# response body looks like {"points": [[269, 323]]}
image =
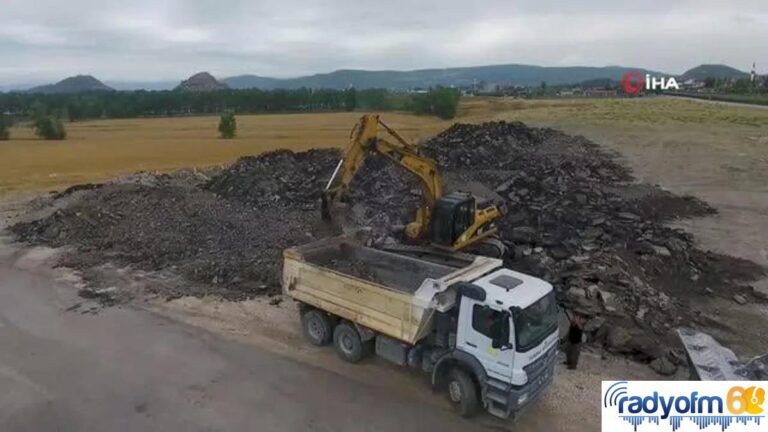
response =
{"points": [[509, 74], [512, 74]]}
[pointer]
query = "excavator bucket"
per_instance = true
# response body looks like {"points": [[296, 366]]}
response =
{"points": [[325, 208]]}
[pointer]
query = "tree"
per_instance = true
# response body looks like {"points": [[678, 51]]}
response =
{"points": [[442, 102], [228, 125], [741, 86], [49, 127], [350, 99], [5, 124], [445, 102], [46, 126]]}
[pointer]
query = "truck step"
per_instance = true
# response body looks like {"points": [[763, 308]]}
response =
{"points": [[499, 385], [498, 397], [496, 411]]}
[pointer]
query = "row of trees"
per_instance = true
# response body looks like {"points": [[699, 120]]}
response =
{"points": [[47, 111], [173, 103]]}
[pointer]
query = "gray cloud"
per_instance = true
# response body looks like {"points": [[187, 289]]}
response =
{"points": [[171, 39]]}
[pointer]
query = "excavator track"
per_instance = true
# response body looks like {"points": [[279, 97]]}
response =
{"points": [[490, 247]]}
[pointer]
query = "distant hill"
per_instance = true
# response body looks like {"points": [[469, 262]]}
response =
{"points": [[74, 84], [510, 74], [201, 82], [705, 71]]}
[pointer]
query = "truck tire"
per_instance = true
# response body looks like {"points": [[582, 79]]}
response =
{"points": [[348, 344], [317, 327], [462, 393]]}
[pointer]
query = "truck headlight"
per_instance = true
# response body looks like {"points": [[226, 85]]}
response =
{"points": [[522, 398]]}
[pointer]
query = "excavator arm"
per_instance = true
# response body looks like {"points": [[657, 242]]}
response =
{"points": [[450, 222], [364, 141]]}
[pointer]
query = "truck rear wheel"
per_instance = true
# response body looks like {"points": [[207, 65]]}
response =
{"points": [[462, 393], [317, 327], [348, 344]]}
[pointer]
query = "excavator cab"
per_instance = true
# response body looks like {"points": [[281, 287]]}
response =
{"points": [[453, 215]]}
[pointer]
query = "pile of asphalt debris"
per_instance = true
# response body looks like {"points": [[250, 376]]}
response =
{"points": [[574, 217]]}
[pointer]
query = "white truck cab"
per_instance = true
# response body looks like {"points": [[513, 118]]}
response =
{"points": [[513, 334]]}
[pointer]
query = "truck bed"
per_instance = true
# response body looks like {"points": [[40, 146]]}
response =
{"points": [[393, 271], [393, 294]]}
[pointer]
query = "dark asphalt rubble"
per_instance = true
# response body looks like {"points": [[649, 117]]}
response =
{"points": [[223, 247], [574, 217], [279, 178]]}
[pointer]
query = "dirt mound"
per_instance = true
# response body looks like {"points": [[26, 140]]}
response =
{"points": [[574, 217], [228, 247], [280, 178]]}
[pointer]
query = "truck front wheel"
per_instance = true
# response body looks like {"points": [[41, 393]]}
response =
{"points": [[348, 344], [317, 327], [462, 393]]}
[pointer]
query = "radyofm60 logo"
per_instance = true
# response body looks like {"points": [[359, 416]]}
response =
{"points": [[682, 406]]}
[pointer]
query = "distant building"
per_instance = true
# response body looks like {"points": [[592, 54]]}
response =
{"points": [[692, 84], [601, 93], [488, 88]]}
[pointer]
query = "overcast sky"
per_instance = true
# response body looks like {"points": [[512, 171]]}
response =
{"points": [[171, 39]]}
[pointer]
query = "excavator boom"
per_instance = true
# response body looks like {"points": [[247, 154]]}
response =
{"points": [[365, 140], [450, 222]]}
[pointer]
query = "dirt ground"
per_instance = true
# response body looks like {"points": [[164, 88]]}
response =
{"points": [[570, 405]]}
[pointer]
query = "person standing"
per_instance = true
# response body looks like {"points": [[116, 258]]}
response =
{"points": [[573, 346]]}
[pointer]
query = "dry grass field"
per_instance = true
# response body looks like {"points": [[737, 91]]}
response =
{"points": [[100, 149]]}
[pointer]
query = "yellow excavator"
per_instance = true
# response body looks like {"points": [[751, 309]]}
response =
{"points": [[450, 222]]}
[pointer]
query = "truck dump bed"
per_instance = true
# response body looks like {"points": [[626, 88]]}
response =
{"points": [[390, 293]]}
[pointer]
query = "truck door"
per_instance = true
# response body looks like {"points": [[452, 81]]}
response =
{"points": [[478, 324]]}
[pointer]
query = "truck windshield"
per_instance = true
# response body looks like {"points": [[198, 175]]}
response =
{"points": [[534, 323]]}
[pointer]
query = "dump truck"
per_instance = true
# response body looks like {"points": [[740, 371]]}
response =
{"points": [[486, 335]]}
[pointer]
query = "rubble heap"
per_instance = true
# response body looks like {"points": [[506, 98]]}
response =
{"points": [[223, 247], [573, 217], [279, 178]]}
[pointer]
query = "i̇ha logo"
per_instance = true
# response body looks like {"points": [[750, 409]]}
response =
{"points": [[635, 82]]}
